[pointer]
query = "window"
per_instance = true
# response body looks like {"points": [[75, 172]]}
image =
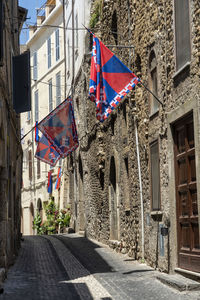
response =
{"points": [[28, 116], [50, 96], [68, 49], [114, 27], [36, 106], [21, 82], [38, 168], [30, 164], [57, 44], [182, 32], [155, 175], [49, 52], [153, 83], [35, 66], [58, 89], [76, 40]]}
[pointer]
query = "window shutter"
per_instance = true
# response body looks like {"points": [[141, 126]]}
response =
{"points": [[21, 83], [57, 45], [155, 176], [35, 73], [182, 32], [50, 96], [58, 89], [30, 164], [49, 51], [36, 106]]}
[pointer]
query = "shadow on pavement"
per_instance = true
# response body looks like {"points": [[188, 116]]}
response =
{"points": [[85, 251], [137, 271]]}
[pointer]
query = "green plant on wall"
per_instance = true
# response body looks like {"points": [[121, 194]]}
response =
{"points": [[64, 218], [37, 222], [96, 13], [55, 218]]}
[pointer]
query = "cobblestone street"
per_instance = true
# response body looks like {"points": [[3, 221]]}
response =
{"points": [[72, 267]]}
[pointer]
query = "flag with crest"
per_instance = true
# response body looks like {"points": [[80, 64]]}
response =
{"points": [[110, 79], [57, 185], [59, 128], [46, 152], [49, 185]]}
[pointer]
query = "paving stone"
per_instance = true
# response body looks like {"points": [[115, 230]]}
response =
{"points": [[71, 267]]}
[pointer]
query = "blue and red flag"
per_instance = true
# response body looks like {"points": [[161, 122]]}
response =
{"points": [[110, 80], [57, 185], [36, 132], [59, 128], [46, 152], [49, 183]]}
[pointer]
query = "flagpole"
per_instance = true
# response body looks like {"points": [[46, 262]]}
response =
{"points": [[120, 46], [151, 93]]}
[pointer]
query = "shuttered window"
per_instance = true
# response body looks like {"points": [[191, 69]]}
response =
{"points": [[35, 73], [155, 176], [153, 83], [182, 32], [38, 168], [76, 24], [69, 55], [58, 89], [49, 52], [57, 44], [21, 82], [30, 164], [50, 96], [36, 106]]}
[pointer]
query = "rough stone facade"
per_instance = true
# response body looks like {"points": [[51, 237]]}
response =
{"points": [[10, 146], [107, 197]]}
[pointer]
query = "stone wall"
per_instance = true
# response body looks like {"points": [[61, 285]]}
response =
{"points": [[148, 26], [10, 146]]}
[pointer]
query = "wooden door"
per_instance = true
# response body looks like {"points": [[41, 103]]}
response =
{"points": [[186, 195]]}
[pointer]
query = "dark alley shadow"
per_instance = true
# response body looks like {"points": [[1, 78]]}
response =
{"points": [[41, 275], [85, 251]]}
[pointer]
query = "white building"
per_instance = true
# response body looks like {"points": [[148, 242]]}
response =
{"points": [[56, 57]]}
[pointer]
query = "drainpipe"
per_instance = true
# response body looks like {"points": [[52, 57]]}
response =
{"points": [[136, 139], [72, 93], [140, 183]]}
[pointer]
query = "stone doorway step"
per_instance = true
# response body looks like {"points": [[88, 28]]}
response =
{"points": [[179, 282]]}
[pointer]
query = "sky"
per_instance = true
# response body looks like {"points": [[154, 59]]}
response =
{"points": [[31, 5]]}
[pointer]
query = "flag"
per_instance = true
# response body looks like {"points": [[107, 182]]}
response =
{"points": [[36, 132], [59, 127], [57, 185], [46, 152], [49, 183], [110, 79]]}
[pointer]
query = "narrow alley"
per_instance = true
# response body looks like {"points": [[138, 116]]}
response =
{"points": [[73, 267]]}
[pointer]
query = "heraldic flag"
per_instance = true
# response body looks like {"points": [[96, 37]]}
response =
{"points": [[57, 185], [59, 128], [49, 186], [46, 152], [110, 79]]}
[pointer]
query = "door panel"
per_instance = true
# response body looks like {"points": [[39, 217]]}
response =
{"points": [[186, 195]]}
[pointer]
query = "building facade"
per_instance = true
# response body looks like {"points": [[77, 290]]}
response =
{"points": [[10, 146], [56, 56], [46, 47], [134, 181]]}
